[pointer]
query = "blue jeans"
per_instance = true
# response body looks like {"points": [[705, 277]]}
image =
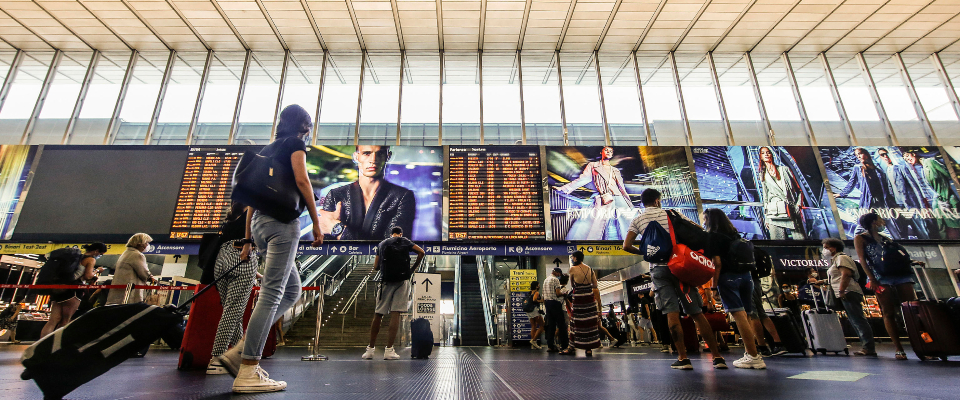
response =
{"points": [[736, 292], [852, 303], [281, 279]]}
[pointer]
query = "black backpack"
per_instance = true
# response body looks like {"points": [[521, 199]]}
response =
{"points": [[861, 276], [742, 253], [528, 304], [763, 263], [395, 260], [895, 260], [61, 268], [687, 232]]}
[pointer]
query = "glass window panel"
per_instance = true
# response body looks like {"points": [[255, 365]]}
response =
{"points": [[179, 99], [303, 82], [381, 95], [778, 100], [259, 98], [581, 100], [740, 99], [141, 98], [933, 97], [541, 98], [857, 101], [461, 98], [420, 103], [219, 99], [23, 96], [62, 97], [98, 105], [896, 101], [338, 113], [622, 100], [700, 99], [501, 99], [6, 58], [663, 109], [818, 100]]}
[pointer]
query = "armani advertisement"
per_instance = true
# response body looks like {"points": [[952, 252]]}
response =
{"points": [[768, 192], [365, 191], [595, 191], [910, 187]]}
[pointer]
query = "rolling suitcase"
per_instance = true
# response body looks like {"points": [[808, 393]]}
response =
{"points": [[421, 338], [930, 329], [790, 336], [691, 337], [99, 340], [824, 333], [201, 329]]}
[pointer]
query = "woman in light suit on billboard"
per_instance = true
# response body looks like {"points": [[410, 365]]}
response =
{"points": [[612, 201], [782, 198]]}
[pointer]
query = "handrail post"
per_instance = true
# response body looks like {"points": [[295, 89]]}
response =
{"points": [[316, 356]]}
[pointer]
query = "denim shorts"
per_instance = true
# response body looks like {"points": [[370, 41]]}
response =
{"points": [[668, 295], [736, 292]]}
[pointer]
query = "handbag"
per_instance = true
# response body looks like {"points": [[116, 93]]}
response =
{"points": [[777, 207], [268, 185], [689, 266]]}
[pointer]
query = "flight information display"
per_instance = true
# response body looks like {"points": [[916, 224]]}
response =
{"points": [[204, 197], [495, 193]]}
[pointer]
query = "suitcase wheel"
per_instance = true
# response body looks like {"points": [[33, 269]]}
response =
{"points": [[846, 351], [823, 352]]}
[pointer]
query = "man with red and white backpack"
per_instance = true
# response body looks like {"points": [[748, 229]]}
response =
{"points": [[669, 293]]}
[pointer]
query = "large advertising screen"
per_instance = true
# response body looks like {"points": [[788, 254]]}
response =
{"points": [[595, 191], [365, 191], [910, 187], [15, 164], [768, 192]]}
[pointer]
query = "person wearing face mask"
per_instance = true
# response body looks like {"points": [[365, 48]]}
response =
{"points": [[842, 276], [891, 290], [131, 268], [63, 304]]}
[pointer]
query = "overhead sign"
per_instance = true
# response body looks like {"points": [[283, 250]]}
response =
{"points": [[603, 250], [426, 301]]}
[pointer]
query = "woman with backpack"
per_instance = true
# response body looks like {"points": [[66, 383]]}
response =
{"points": [[733, 259], [842, 277], [536, 319], [892, 287], [63, 304]]}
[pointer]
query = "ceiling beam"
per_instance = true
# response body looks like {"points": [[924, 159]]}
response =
{"points": [[28, 29], [396, 23], [115, 34], [690, 25], [931, 31], [898, 26], [646, 29], [273, 26], [63, 25], [566, 23], [313, 24], [146, 24], [173, 6], [440, 34], [356, 25], [767, 33], [733, 25], [523, 24], [483, 27], [606, 27], [855, 26], [230, 24], [807, 33]]}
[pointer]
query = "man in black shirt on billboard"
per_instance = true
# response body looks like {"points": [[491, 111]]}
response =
{"points": [[368, 208]]}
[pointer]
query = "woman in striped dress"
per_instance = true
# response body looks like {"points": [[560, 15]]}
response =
{"points": [[585, 324]]}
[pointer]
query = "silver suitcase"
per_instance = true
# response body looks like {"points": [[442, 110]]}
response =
{"points": [[824, 333]]}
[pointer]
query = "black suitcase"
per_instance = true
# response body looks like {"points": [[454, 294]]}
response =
{"points": [[421, 338], [790, 337], [99, 340]]}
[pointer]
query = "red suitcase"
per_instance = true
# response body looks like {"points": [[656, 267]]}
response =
{"points": [[931, 332], [202, 328]]}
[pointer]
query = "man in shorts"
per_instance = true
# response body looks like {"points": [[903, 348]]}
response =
{"points": [[393, 292], [761, 320], [669, 294]]}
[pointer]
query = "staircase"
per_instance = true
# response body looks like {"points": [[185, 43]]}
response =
{"points": [[347, 329], [473, 328]]}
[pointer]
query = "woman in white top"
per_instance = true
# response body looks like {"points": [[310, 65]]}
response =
{"points": [[781, 198], [131, 268], [842, 276]]}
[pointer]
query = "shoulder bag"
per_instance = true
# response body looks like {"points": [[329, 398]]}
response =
{"points": [[268, 185]]}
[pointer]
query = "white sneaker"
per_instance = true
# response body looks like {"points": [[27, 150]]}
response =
{"points": [[535, 346], [253, 379], [368, 355], [390, 354], [232, 359], [215, 368], [750, 362]]}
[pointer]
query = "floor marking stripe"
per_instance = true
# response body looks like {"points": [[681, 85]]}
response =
{"points": [[497, 375]]}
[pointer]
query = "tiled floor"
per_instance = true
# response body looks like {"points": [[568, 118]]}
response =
{"points": [[511, 374]]}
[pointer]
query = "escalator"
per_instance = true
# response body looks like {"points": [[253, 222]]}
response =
{"points": [[473, 325]]}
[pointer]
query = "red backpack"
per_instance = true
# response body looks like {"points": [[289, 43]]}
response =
{"points": [[689, 266]]}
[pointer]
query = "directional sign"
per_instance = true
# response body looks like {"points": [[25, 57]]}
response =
{"points": [[426, 301]]}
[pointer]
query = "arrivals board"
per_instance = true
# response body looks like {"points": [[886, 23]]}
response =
{"points": [[204, 197], [495, 193]]}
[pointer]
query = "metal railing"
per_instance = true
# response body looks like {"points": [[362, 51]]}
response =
{"points": [[352, 302]]}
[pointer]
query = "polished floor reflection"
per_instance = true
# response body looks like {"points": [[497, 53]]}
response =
{"points": [[493, 373]]}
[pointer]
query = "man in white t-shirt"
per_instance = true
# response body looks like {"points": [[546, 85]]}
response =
{"points": [[669, 294]]}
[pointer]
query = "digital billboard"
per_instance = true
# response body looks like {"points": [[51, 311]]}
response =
{"points": [[910, 187], [15, 164], [768, 192], [365, 191], [595, 190]]}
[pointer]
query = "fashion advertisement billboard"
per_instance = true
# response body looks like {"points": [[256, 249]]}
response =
{"points": [[365, 191], [595, 190], [910, 187], [15, 164], [768, 192]]}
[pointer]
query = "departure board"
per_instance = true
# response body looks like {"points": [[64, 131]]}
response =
{"points": [[204, 197], [495, 193]]}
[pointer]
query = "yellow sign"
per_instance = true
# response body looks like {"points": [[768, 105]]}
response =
{"points": [[111, 248], [520, 279], [44, 248], [602, 250]]}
